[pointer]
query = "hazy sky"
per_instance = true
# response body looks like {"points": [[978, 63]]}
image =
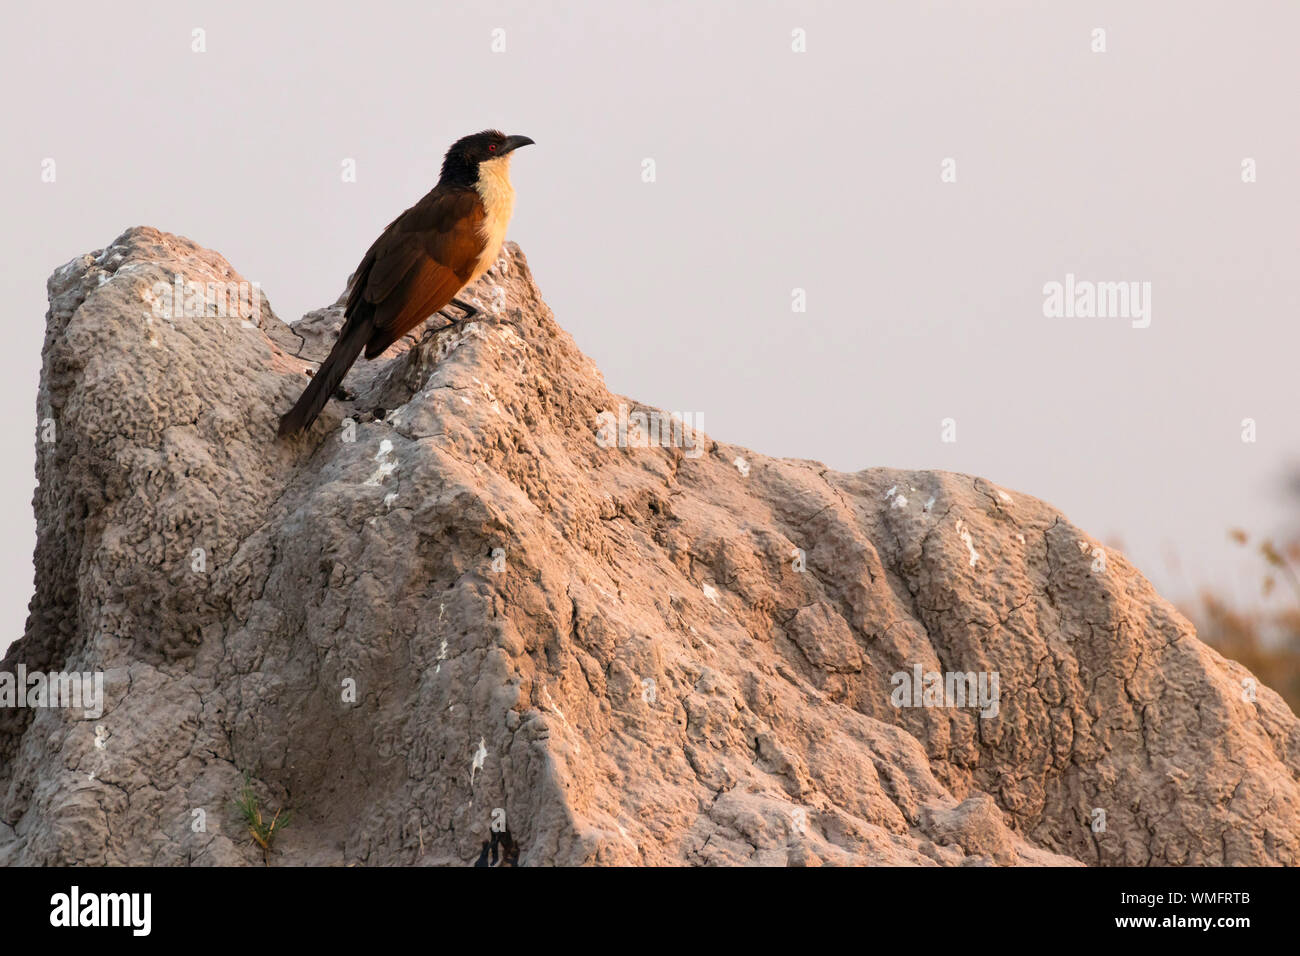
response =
{"points": [[775, 170]]}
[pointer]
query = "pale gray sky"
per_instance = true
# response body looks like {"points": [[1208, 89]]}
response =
{"points": [[775, 170]]}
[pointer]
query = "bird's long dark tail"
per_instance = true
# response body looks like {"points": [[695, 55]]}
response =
{"points": [[328, 376]]}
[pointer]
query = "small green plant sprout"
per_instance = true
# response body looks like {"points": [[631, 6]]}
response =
{"points": [[262, 831]]}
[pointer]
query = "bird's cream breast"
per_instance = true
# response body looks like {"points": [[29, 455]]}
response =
{"points": [[498, 203]]}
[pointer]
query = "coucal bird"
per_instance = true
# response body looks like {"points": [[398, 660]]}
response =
{"points": [[423, 259]]}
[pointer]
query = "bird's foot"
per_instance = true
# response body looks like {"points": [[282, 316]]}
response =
{"points": [[453, 321], [431, 334], [469, 310]]}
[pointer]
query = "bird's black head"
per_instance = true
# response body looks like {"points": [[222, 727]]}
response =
{"points": [[463, 159]]}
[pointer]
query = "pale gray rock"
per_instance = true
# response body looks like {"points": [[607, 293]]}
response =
{"points": [[654, 655]]}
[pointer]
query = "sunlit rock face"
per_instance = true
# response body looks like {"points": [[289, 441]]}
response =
{"points": [[483, 595]]}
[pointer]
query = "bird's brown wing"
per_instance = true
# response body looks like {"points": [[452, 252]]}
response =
{"points": [[418, 265], [411, 271]]}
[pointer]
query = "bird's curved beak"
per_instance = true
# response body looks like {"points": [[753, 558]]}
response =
{"points": [[512, 143]]}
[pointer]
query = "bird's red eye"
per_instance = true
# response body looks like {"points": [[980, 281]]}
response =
{"points": [[492, 147]]}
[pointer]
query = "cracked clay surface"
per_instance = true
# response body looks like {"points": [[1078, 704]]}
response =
{"points": [[626, 655]]}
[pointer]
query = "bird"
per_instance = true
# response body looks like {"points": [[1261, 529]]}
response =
{"points": [[421, 261]]}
